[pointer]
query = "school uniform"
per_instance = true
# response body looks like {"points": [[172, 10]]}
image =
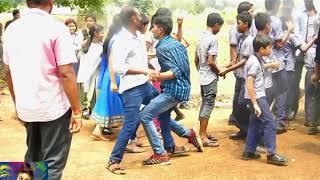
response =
{"points": [[241, 112], [265, 123]]}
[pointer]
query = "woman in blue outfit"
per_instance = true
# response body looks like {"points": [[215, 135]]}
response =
{"points": [[108, 110]]}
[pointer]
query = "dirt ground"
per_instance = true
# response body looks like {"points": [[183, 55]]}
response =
{"points": [[88, 158]]}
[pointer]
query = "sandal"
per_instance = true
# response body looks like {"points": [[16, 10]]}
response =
{"points": [[115, 170], [210, 143], [212, 137], [176, 151]]}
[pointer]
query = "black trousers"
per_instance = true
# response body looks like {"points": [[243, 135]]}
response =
{"points": [[49, 142]]}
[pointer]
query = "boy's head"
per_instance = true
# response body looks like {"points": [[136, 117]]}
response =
{"points": [[245, 7], [214, 21], [244, 21], [262, 44], [162, 26], [144, 23], [16, 14], [263, 22], [272, 6], [309, 5]]}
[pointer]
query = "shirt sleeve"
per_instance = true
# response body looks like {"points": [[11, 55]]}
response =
{"points": [[119, 55], [253, 69], [248, 48], [63, 49], [213, 47], [233, 36], [295, 41]]}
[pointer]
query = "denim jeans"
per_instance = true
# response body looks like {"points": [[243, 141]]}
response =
{"points": [[265, 123], [161, 106], [132, 100]]}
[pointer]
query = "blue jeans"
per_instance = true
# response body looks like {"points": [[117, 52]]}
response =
{"points": [[132, 100], [265, 123], [161, 106], [235, 102]]}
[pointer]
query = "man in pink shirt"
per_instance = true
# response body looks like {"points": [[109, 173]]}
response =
{"points": [[38, 57]]}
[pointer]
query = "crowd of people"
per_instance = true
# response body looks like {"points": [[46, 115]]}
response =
{"points": [[140, 72]]}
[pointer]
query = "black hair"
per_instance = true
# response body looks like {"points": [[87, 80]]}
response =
{"points": [[126, 14], [165, 22], [213, 19], [69, 21], [91, 16], [261, 41], [92, 30], [261, 20], [37, 2], [245, 17], [160, 12], [163, 12], [144, 19], [26, 169], [309, 5], [113, 29], [244, 6], [272, 5], [15, 12]]}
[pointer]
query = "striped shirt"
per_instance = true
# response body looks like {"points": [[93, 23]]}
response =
{"points": [[173, 56]]}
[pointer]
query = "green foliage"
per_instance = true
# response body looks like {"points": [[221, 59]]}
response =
{"points": [[93, 6], [7, 5], [145, 6], [191, 6]]}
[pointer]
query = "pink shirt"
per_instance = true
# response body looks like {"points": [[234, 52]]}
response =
{"points": [[34, 46]]}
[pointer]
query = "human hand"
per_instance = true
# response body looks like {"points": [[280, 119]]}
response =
{"points": [[315, 78], [180, 20], [257, 110], [153, 75], [75, 123], [275, 65], [223, 73], [114, 87]]}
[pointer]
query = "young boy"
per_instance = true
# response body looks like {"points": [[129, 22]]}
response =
{"points": [[244, 51], [278, 91], [206, 63], [233, 41], [261, 118], [175, 88]]}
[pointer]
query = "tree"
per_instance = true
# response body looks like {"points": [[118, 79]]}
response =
{"points": [[7, 5], [145, 6], [84, 5]]}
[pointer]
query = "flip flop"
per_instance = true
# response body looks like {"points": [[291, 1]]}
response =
{"points": [[117, 170], [210, 143], [212, 137]]}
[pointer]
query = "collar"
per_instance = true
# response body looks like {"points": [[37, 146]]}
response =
{"points": [[128, 33], [37, 11], [163, 40]]}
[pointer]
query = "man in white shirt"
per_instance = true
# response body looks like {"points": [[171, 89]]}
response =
{"points": [[38, 61], [130, 60]]}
